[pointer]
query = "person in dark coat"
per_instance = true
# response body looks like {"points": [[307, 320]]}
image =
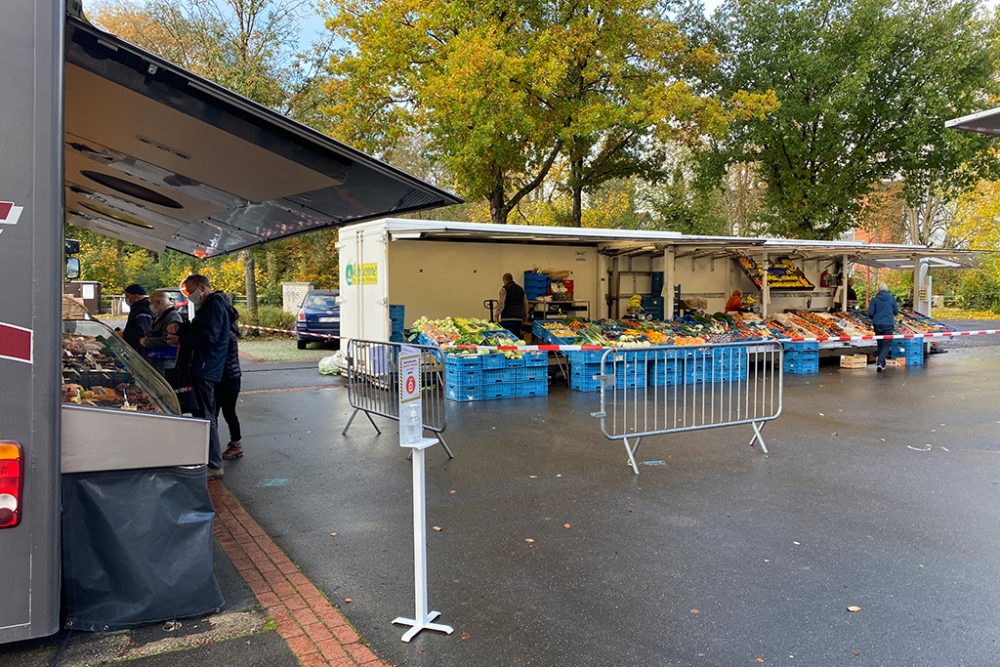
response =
{"points": [[140, 317], [883, 310], [228, 390], [206, 340], [513, 306], [158, 353]]}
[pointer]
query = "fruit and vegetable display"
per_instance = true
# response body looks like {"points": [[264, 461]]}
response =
{"points": [[94, 374], [782, 274], [693, 329], [451, 331]]}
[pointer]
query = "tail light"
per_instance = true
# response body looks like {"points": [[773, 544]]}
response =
{"points": [[11, 483], [301, 317]]}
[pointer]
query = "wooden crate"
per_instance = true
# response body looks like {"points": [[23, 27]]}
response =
{"points": [[853, 360]]}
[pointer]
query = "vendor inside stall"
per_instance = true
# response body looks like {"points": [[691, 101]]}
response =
{"points": [[735, 303], [512, 306]]}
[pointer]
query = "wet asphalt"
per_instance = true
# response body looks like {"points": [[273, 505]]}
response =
{"points": [[880, 491]]}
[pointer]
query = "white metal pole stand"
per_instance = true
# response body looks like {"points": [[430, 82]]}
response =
{"points": [[411, 435]]}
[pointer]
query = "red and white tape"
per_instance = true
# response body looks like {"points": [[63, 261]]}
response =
{"points": [[583, 348], [289, 331]]}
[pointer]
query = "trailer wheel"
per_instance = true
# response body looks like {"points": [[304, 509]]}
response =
{"points": [[301, 344]]}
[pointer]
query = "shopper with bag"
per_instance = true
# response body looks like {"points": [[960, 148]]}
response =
{"points": [[883, 311]]}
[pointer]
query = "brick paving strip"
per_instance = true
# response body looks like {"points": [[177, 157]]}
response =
{"points": [[315, 630]]}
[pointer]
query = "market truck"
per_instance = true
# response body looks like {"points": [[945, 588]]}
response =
{"points": [[437, 268], [100, 134]]}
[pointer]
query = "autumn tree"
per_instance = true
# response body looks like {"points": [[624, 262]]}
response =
{"points": [[248, 46], [505, 90], [864, 88]]}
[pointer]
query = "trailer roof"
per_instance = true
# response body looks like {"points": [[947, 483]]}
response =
{"points": [[162, 158], [646, 242]]}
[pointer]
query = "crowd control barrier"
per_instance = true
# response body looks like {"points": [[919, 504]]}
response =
{"points": [[654, 391], [373, 384]]}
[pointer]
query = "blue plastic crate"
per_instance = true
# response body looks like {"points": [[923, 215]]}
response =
{"points": [[580, 383], [540, 332], [585, 356], [537, 388], [796, 365], [466, 379], [493, 361], [807, 346], [657, 282], [532, 374], [463, 361], [515, 362], [495, 392], [464, 393], [494, 376], [536, 358]]}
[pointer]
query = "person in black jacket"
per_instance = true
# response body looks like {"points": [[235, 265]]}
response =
{"points": [[206, 342], [140, 317], [228, 389], [513, 306]]}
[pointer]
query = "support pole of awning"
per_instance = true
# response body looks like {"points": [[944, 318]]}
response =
{"points": [[765, 287], [847, 288]]}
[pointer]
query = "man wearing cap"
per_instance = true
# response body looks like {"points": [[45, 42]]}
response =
{"points": [[140, 316]]}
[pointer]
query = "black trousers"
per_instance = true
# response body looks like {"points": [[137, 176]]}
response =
{"points": [[513, 326], [226, 393], [203, 407], [883, 345]]}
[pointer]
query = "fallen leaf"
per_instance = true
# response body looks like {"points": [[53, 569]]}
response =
{"points": [[437, 529], [856, 653], [821, 415], [567, 525], [333, 534], [631, 509], [696, 611], [854, 608], [559, 475], [760, 660], [348, 600], [452, 491], [465, 636], [766, 561], [532, 476], [529, 540], [835, 434], [796, 543]]}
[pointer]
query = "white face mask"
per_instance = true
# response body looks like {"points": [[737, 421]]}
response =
{"points": [[196, 297], [155, 307]]}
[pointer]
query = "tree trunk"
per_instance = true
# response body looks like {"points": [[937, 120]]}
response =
{"points": [[250, 279], [576, 185], [498, 207]]}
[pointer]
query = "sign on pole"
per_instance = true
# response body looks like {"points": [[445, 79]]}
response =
{"points": [[411, 434]]}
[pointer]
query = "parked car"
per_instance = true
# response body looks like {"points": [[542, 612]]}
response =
{"points": [[319, 314]]}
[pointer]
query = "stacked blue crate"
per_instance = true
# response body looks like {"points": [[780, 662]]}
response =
{"points": [[629, 370], [657, 283], [488, 377], [536, 285], [653, 306], [546, 336], [396, 319], [801, 358], [910, 349]]}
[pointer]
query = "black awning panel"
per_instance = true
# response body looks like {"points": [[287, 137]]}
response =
{"points": [[161, 158]]}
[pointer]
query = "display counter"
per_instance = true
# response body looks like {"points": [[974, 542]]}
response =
{"points": [[118, 412]]}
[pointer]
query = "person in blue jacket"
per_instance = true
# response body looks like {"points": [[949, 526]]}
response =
{"points": [[206, 342], [883, 310]]}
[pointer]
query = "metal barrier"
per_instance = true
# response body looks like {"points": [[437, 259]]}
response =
{"points": [[373, 384], [662, 390]]}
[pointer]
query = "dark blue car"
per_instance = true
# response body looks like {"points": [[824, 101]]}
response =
{"points": [[319, 314]]}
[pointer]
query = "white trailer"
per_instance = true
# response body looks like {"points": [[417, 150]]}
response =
{"points": [[440, 268]]}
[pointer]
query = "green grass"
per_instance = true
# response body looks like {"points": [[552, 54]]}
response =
{"points": [[282, 349]]}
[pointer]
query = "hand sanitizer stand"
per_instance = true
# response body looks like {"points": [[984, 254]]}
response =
{"points": [[411, 434]]}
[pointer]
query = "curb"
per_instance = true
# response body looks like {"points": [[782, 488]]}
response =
{"points": [[314, 630]]}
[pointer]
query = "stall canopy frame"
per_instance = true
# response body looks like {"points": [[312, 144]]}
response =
{"points": [[161, 158]]}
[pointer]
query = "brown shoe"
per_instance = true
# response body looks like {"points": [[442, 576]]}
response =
{"points": [[233, 452]]}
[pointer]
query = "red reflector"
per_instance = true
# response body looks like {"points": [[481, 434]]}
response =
{"points": [[11, 483], [301, 316]]}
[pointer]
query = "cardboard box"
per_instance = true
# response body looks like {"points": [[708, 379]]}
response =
{"points": [[853, 361]]}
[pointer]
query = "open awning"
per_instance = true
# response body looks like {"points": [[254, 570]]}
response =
{"points": [[634, 243], [983, 122], [161, 158]]}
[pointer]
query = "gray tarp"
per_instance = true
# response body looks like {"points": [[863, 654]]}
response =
{"points": [[137, 547]]}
